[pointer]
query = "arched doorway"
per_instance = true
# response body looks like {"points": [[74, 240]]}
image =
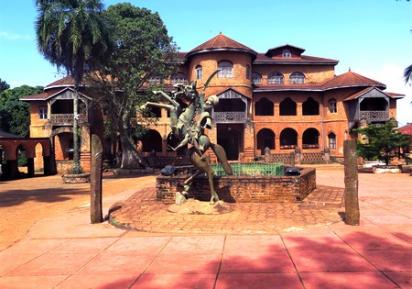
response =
{"points": [[265, 138], [230, 137], [21, 154], [152, 141], [288, 138], [38, 159], [310, 139], [63, 145]]}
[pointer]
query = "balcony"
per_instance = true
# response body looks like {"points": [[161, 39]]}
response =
{"points": [[66, 119], [230, 117], [374, 115]]}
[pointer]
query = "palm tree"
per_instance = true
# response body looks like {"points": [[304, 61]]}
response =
{"points": [[408, 74], [72, 35]]}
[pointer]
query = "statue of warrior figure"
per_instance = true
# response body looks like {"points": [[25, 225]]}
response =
{"points": [[188, 125]]}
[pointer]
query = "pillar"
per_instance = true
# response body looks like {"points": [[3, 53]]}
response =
{"points": [[85, 147], [30, 167]]}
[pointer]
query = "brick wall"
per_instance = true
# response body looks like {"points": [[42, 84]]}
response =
{"points": [[242, 189]]}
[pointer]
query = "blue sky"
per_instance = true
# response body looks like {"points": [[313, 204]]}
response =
{"points": [[371, 37]]}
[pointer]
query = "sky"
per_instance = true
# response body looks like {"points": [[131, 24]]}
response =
{"points": [[370, 37]]}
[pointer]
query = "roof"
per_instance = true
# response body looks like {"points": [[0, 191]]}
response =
{"points": [[49, 94], [4, 134], [279, 49], [351, 79], [221, 43], [303, 59], [406, 129], [63, 82], [369, 89]]}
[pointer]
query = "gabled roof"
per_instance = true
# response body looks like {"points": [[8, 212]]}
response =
{"points": [[406, 129], [279, 49], [303, 59], [221, 43], [377, 93], [351, 79], [63, 82], [49, 94]]}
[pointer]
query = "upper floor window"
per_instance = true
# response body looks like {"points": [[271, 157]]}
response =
{"points": [[275, 78], [43, 112], [248, 72], [297, 78], [179, 78], [332, 105], [199, 72], [256, 78], [286, 53], [225, 69], [155, 80]]}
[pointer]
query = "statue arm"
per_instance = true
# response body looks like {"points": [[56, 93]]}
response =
{"points": [[167, 97]]}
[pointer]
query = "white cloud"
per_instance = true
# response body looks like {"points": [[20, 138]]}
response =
{"points": [[14, 36], [392, 76]]}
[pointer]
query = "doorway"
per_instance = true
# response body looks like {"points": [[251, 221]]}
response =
{"points": [[230, 137]]}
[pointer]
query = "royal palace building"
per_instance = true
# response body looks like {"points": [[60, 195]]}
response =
{"points": [[280, 100]]}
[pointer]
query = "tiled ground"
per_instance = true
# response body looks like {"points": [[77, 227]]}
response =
{"points": [[64, 251]]}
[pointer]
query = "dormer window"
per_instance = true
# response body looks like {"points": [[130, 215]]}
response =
{"points": [[297, 78], [286, 53], [275, 78], [225, 69]]}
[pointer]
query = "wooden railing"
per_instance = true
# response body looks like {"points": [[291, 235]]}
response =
{"points": [[65, 118], [230, 116], [374, 115]]}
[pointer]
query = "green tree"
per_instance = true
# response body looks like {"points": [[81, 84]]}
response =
{"points": [[141, 49], [14, 113], [384, 140], [3, 85], [71, 34]]}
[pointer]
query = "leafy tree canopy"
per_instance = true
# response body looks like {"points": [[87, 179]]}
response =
{"points": [[14, 113], [141, 49], [3, 85], [382, 141]]}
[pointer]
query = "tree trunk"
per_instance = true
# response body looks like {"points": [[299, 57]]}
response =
{"points": [[130, 157], [96, 211], [76, 152], [352, 214]]}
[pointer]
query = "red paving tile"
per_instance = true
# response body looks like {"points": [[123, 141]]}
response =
{"points": [[196, 244], [252, 262], [30, 282], [175, 281], [102, 281], [116, 263], [374, 240], [390, 260], [185, 263], [36, 247], [10, 261], [403, 279], [53, 264], [346, 280], [253, 243], [258, 281], [335, 259], [139, 245], [85, 245]]}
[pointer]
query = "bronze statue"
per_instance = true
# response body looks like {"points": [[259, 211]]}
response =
{"points": [[188, 126]]}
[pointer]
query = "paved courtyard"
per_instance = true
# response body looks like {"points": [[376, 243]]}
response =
{"points": [[59, 249]]}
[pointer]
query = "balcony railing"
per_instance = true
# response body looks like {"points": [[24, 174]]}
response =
{"points": [[66, 119], [374, 115], [230, 117]]}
